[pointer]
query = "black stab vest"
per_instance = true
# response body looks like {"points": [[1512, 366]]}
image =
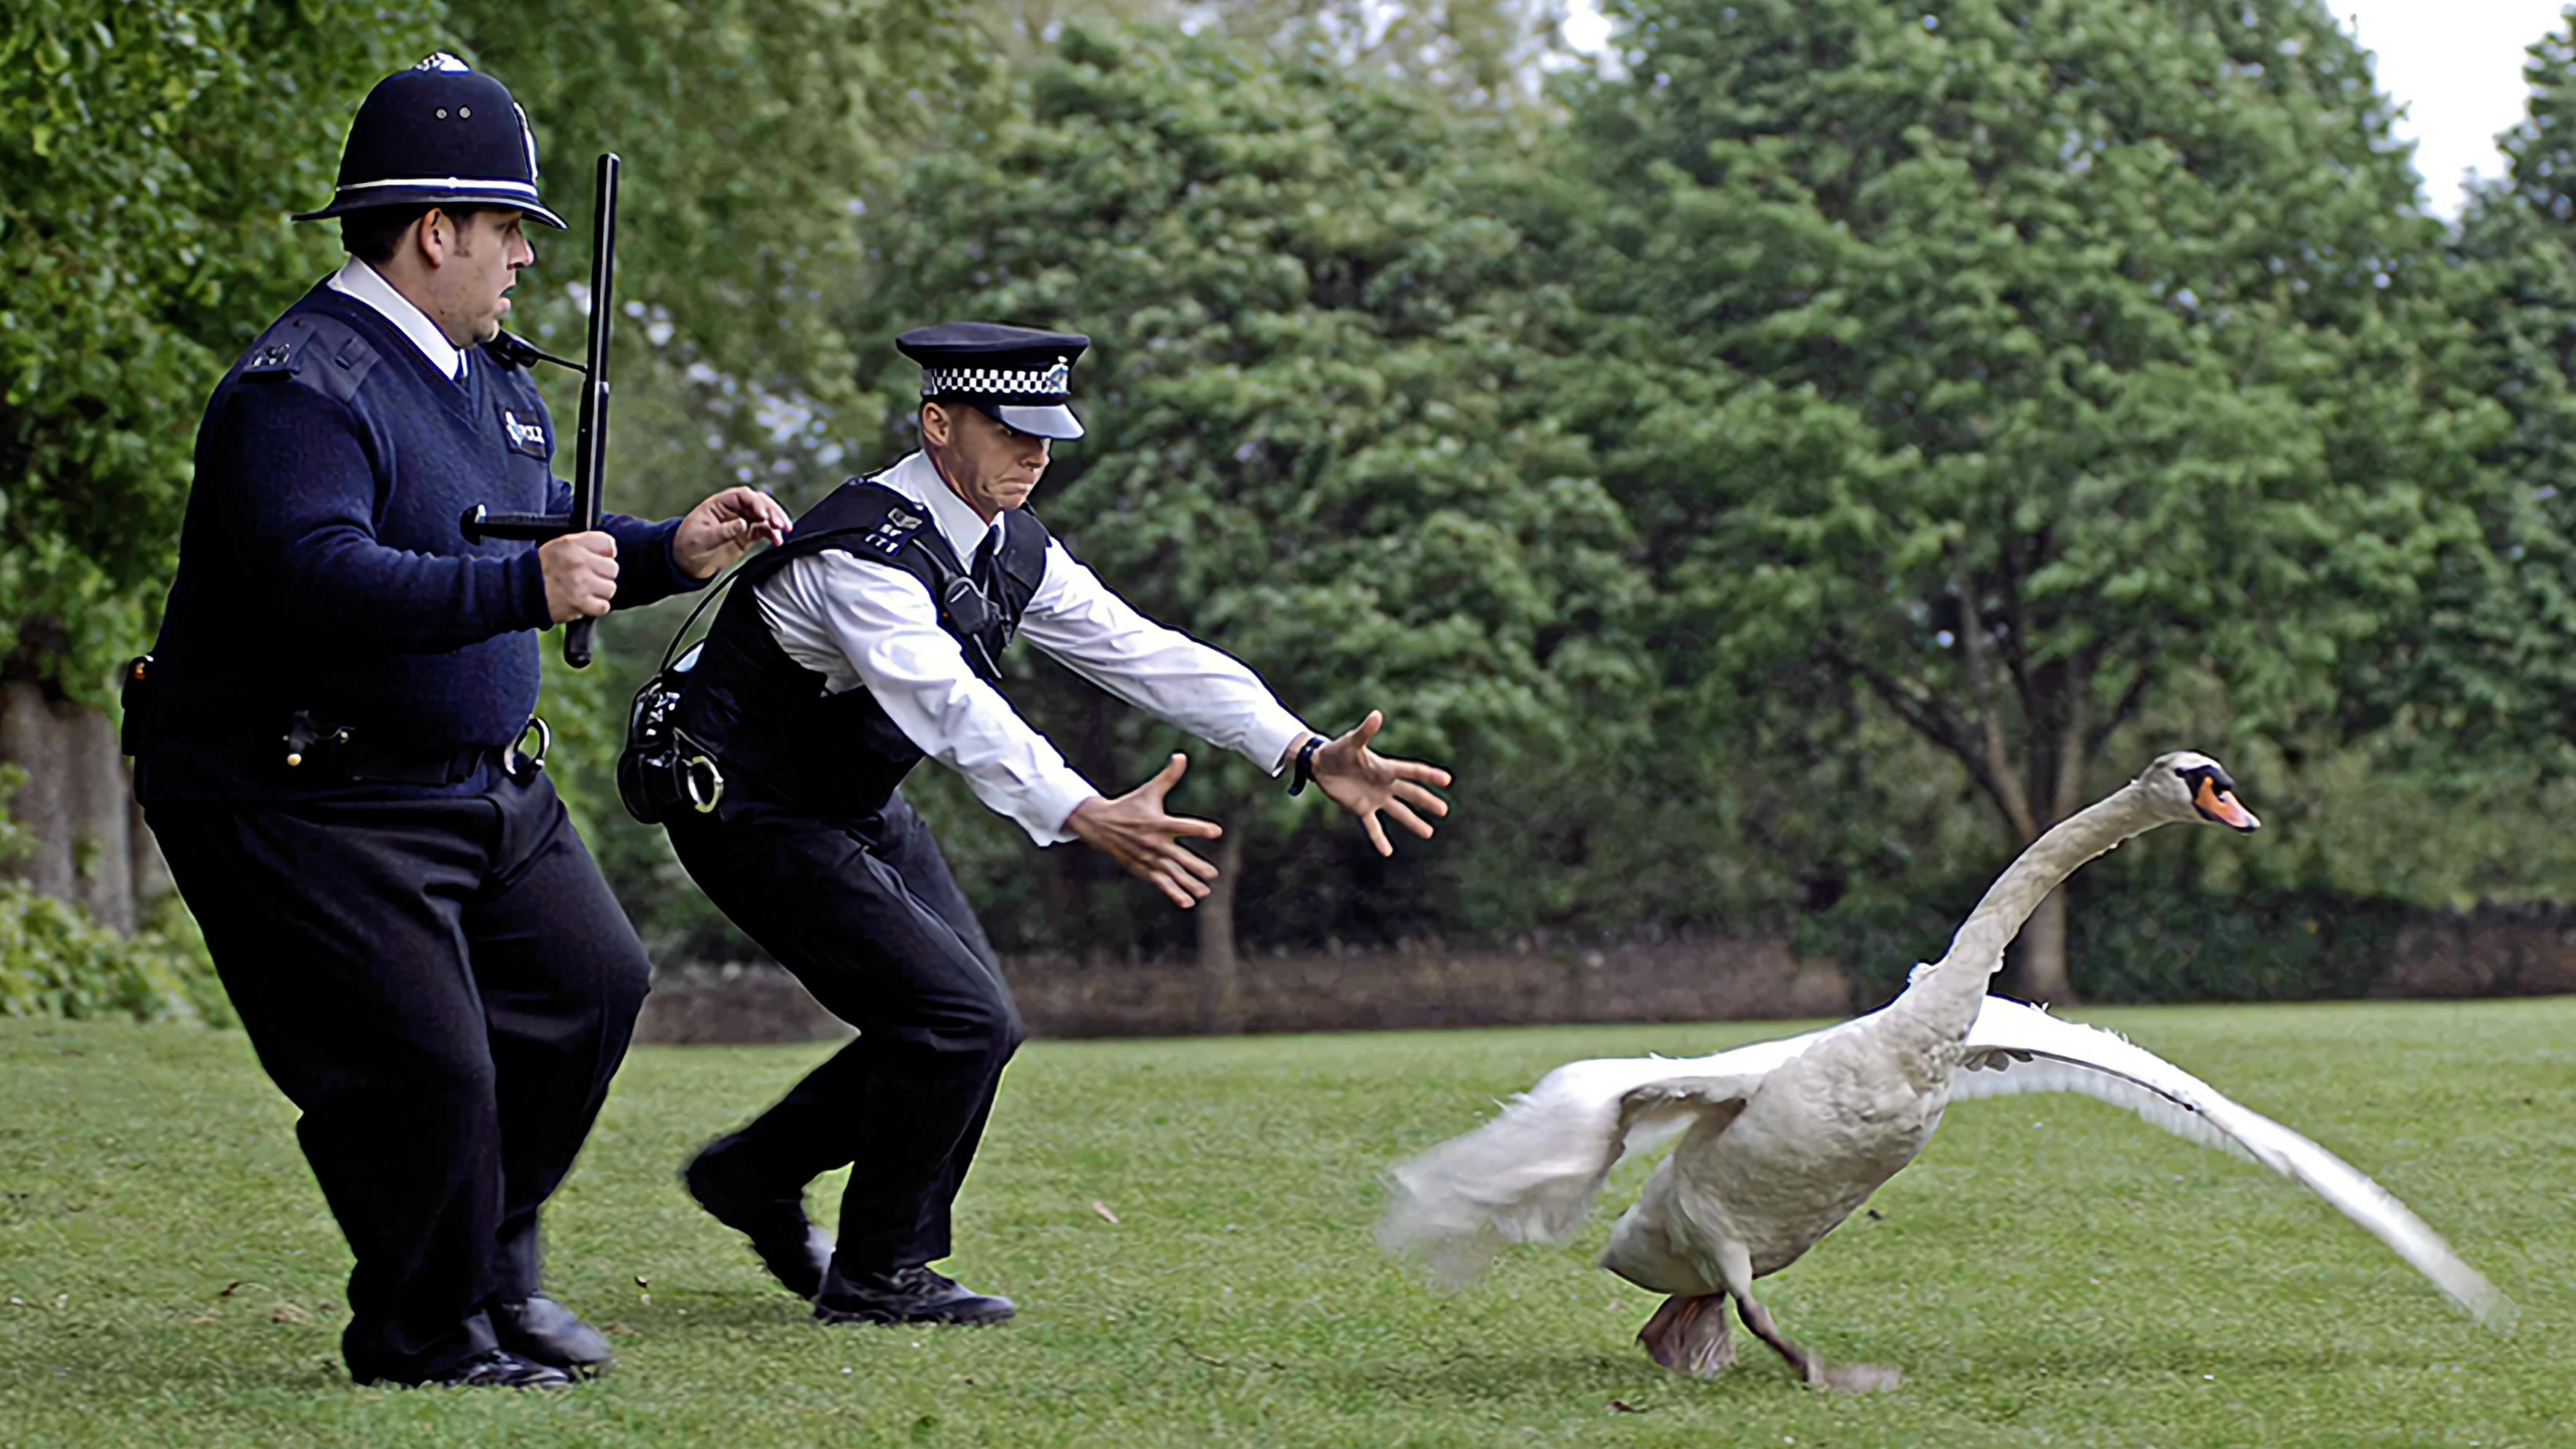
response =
{"points": [[779, 738]]}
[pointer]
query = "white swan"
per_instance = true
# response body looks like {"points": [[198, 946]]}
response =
{"points": [[1782, 1140]]}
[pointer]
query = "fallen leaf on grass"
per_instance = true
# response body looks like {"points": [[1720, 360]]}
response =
{"points": [[289, 1313], [202, 1319], [229, 1287], [1102, 1208], [1622, 1406], [646, 1285], [618, 1330]]}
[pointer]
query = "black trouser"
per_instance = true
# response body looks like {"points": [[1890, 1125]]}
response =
{"points": [[867, 915], [444, 986]]}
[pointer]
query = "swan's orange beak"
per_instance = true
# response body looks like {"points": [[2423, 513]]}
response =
{"points": [[2220, 805]]}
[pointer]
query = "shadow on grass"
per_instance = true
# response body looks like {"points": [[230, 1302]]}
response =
{"points": [[1462, 1376], [1574, 1373], [748, 1310]]}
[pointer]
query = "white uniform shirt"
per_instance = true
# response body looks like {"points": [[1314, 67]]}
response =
{"points": [[860, 623], [363, 282]]}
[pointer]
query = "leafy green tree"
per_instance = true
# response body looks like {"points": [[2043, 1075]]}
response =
{"points": [[2020, 367], [2483, 681], [1315, 436], [1472, 52], [751, 132], [150, 152]]}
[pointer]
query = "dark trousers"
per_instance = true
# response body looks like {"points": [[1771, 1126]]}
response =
{"points": [[868, 916], [444, 987]]}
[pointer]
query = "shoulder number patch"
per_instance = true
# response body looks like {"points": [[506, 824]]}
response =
{"points": [[276, 359], [888, 538]]}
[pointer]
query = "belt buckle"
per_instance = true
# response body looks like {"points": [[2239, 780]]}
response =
{"points": [[523, 767]]}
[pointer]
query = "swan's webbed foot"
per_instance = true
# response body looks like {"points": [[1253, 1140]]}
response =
{"points": [[1847, 1378], [1689, 1336]]}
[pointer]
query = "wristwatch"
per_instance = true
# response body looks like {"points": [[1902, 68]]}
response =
{"points": [[1305, 764]]}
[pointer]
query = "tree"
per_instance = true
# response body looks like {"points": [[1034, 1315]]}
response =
{"points": [[1314, 433], [1474, 53], [150, 153], [2484, 679], [2018, 366], [750, 133]]}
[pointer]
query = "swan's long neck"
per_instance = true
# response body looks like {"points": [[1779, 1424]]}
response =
{"points": [[1946, 995]]}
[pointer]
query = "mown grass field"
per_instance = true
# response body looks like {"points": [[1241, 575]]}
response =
{"points": [[2052, 1272]]}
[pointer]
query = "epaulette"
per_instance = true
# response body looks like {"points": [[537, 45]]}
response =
{"points": [[893, 531], [322, 353], [880, 527]]}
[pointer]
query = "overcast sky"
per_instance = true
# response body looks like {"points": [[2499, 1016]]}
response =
{"points": [[2454, 65]]}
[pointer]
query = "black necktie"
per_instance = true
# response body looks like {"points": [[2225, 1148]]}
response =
{"points": [[982, 570]]}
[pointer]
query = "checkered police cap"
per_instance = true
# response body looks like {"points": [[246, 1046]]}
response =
{"points": [[1020, 375]]}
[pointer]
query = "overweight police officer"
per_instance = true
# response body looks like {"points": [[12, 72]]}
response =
{"points": [[426, 959], [845, 658]]}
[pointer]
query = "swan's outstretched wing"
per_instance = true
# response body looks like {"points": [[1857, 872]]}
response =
{"points": [[1530, 1174], [2015, 1048]]}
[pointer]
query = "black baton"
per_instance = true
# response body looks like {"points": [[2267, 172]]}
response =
{"points": [[590, 439]]}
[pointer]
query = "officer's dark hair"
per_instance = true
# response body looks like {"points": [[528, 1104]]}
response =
{"points": [[371, 235]]}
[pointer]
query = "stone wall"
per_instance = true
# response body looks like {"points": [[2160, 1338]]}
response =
{"points": [[1705, 980], [2494, 951]]}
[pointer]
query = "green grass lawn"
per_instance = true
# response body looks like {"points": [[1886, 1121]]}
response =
{"points": [[2052, 1272]]}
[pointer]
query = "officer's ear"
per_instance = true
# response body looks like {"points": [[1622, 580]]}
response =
{"points": [[937, 426], [436, 235], [443, 233]]}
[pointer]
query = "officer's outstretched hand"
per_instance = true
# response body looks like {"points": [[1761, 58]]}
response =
{"points": [[726, 527], [581, 575], [1365, 782], [1134, 830]]}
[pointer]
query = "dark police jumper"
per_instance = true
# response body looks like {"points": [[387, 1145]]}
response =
{"points": [[815, 854], [425, 957]]}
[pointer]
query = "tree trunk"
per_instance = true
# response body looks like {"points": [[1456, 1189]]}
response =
{"points": [[2039, 957], [1220, 967], [77, 806]]}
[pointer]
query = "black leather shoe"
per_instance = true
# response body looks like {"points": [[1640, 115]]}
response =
{"points": [[547, 1332], [906, 1295], [794, 1251], [493, 1368]]}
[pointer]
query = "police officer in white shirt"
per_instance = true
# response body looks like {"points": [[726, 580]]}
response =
{"points": [[865, 643]]}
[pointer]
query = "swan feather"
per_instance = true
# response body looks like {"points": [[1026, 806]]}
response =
{"points": [[2016, 1048], [1530, 1175]]}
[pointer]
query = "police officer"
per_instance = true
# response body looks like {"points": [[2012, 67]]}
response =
{"points": [[421, 950], [841, 660]]}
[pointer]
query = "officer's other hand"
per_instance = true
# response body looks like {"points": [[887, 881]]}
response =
{"points": [[1365, 782], [724, 528], [581, 575], [1136, 832]]}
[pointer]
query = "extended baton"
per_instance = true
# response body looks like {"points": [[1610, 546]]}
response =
{"points": [[590, 438]]}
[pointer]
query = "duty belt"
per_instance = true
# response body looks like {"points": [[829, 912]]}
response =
{"points": [[341, 754]]}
